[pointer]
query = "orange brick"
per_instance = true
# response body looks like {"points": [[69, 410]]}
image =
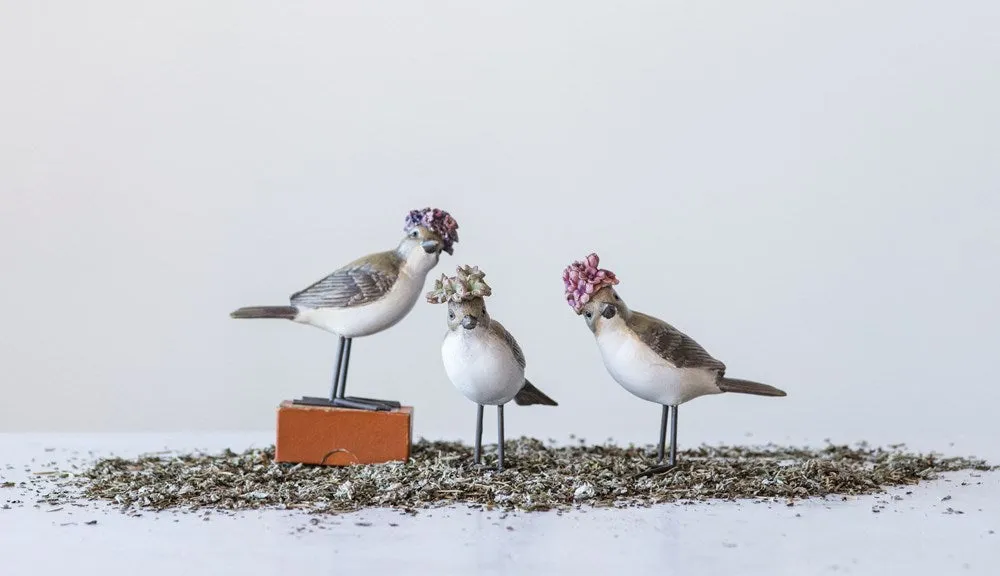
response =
{"points": [[341, 436]]}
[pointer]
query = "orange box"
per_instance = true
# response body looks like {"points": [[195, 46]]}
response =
{"points": [[341, 436]]}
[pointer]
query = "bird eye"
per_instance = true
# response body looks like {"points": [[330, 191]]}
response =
{"points": [[414, 234], [616, 297], [451, 315], [588, 314]]}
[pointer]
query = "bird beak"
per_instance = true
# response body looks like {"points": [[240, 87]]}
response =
{"points": [[469, 322], [608, 310], [430, 246]]}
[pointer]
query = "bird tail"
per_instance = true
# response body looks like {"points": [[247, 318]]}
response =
{"points": [[748, 387], [285, 312], [529, 395]]}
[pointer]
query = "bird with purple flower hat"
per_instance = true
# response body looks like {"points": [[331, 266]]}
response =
{"points": [[368, 295]]}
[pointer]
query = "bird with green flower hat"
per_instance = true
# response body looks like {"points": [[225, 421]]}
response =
{"points": [[482, 360]]}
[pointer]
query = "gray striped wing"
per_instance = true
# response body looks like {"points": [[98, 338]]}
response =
{"points": [[503, 333], [353, 285], [671, 344]]}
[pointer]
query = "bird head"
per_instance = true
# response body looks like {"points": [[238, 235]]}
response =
{"points": [[421, 248], [434, 230], [590, 292], [468, 315], [465, 295], [604, 310]]}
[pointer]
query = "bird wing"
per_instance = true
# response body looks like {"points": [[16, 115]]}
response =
{"points": [[361, 282], [671, 344], [498, 329]]}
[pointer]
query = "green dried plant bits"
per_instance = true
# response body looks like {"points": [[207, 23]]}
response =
{"points": [[538, 477]]}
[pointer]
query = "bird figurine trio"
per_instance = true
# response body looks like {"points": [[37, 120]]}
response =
{"points": [[648, 357]]}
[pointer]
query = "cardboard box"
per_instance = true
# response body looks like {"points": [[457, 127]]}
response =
{"points": [[341, 436]]}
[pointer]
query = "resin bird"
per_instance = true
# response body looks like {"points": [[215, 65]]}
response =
{"points": [[367, 296], [647, 356], [482, 359]]}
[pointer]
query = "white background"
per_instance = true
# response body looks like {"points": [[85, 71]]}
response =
{"points": [[810, 190]]}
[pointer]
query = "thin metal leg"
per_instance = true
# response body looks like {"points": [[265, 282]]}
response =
{"points": [[500, 437], [343, 374], [358, 402], [477, 453], [336, 373], [337, 394], [663, 434], [673, 436], [660, 468]]}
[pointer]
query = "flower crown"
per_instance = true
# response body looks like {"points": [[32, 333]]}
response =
{"points": [[582, 279], [468, 284], [437, 220]]}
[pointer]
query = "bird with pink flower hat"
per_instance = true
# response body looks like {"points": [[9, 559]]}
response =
{"points": [[645, 355]]}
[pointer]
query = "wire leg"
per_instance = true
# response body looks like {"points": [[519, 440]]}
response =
{"points": [[343, 374], [500, 437], [673, 436], [660, 468], [663, 434], [339, 388], [478, 451], [336, 372]]}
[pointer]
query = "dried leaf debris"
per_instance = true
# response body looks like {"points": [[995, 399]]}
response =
{"points": [[538, 477]]}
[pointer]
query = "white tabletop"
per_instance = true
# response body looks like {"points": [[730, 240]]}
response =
{"points": [[916, 534]]}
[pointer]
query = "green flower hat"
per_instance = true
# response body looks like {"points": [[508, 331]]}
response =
{"points": [[468, 284]]}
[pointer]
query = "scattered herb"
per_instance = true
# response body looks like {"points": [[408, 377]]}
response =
{"points": [[537, 477]]}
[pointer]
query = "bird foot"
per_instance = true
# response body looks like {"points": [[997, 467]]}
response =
{"points": [[349, 402], [484, 467], [390, 403], [653, 470]]}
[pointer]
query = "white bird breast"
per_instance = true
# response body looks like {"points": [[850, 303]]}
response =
{"points": [[641, 371], [371, 318], [481, 367]]}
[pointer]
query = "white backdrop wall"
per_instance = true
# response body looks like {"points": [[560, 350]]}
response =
{"points": [[808, 189]]}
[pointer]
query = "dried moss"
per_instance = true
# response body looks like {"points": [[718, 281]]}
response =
{"points": [[538, 477]]}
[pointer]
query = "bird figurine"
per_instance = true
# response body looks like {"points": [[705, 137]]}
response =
{"points": [[648, 357], [482, 359], [367, 296]]}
